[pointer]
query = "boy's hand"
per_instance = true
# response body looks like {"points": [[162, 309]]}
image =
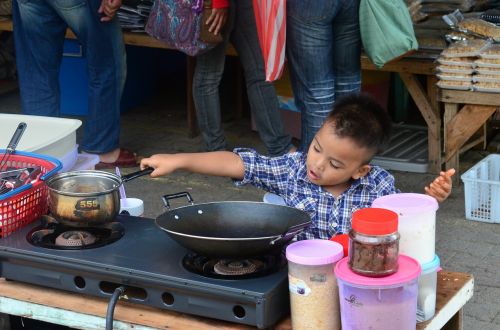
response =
{"points": [[108, 9], [163, 164], [440, 188]]}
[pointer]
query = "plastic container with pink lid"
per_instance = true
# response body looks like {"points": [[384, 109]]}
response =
{"points": [[379, 303], [314, 299], [417, 223]]}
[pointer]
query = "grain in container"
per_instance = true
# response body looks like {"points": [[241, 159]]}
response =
{"points": [[314, 299], [426, 302], [379, 303], [417, 223], [373, 242]]}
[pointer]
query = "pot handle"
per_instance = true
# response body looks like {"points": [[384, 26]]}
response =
{"points": [[290, 233], [137, 174], [168, 197]]}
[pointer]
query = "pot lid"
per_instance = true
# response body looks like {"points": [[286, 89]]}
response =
{"points": [[314, 252], [407, 203]]}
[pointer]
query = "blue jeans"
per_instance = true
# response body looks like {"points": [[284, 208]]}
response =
{"points": [[242, 32], [39, 29], [323, 50]]}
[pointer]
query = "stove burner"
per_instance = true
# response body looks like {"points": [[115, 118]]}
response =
{"points": [[237, 267], [75, 238], [231, 269], [53, 235]]}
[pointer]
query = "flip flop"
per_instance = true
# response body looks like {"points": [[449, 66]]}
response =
{"points": [[126, 158]]}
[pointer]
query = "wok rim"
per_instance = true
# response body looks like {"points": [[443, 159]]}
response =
{"points": [[230, 238], [234, 202], [220, 238]]}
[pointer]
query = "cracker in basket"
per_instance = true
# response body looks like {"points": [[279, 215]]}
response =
{"points": [[491, 51], [465, 62], [488, 85], [465, 48], [492, 76], [488, 71], [455, 83], [454, 69], [481, 27], [456, 75], [487, 61]]}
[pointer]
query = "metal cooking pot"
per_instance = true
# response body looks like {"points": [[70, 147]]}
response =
{"points": [[87, 198], [232, 229]]}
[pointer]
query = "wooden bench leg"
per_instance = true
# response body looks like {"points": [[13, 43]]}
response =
{"points": [[430, 114], [450, 111], [456, 322], [460, 126]]}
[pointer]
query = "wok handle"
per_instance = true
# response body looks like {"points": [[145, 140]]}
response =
{"points": [[290, 233], [168, 197]]}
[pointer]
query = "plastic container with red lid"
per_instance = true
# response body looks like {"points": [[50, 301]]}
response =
{"points": [[374, 242]]}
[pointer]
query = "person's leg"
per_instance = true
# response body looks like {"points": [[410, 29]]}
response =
{"points": [[261, 94], [105, 52], [39, 36], [347, 49], [310, 57], [207, 76]]}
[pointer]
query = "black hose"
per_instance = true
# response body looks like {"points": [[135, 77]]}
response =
{"points": [[111, 306]]}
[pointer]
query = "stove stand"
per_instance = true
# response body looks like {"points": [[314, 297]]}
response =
{"points": [[53, 235], [233, 269]]}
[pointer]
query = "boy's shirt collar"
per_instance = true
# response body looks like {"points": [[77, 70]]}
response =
{"points": [[366, 180]]}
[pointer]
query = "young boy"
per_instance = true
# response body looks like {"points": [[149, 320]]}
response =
{"points": [[332, 181]]}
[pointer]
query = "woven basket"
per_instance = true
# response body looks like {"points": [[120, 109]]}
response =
{"points": [[5, 7]]}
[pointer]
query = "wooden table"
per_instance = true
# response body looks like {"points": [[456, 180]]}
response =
{"points": [[407, 68], [86, 312], [461, 123]]}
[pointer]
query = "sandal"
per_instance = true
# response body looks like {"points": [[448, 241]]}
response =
{"points": [[126, 158]]}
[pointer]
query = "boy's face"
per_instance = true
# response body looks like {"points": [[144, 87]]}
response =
{"points": [[334, 161]]}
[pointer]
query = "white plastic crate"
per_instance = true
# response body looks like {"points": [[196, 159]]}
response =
{"points": [[482, 190]]}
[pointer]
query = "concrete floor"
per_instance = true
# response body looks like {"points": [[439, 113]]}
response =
{"points": [[160, 127]]}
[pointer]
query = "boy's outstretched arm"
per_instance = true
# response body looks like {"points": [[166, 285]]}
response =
{"points": [[440, 188], [218, 163]]}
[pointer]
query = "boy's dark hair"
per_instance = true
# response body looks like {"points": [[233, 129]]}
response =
{"points": [[360, 118]]}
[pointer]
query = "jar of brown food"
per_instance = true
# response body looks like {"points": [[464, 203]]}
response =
{"points": [[374, 242]]}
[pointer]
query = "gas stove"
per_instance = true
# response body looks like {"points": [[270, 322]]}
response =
{"points": [[155, 271]]}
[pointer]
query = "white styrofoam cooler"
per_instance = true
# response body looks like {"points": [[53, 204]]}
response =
{"points": [[50, 136]]}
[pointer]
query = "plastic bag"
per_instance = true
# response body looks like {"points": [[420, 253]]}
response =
{"points": [[270, 19], [386, 30]]}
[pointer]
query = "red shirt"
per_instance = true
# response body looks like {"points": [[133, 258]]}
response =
{"points": [[220, 3]]}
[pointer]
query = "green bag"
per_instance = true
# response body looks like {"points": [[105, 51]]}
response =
{"points": [[386, 30]]}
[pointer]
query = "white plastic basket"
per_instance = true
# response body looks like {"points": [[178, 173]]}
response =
{"points": [[482, 190]]}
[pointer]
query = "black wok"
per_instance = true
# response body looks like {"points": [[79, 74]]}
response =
{"points": [[232, 229]]}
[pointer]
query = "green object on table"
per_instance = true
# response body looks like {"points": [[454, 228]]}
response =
{"points": [[386, 30]]}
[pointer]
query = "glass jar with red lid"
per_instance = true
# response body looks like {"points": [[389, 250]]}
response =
{"points": [[374, 242]]}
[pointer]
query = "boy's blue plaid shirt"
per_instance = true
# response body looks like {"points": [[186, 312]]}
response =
{"points": [[287, 176]]}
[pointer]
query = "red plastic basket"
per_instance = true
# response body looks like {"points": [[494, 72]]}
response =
{"points": [[27, 203]]}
